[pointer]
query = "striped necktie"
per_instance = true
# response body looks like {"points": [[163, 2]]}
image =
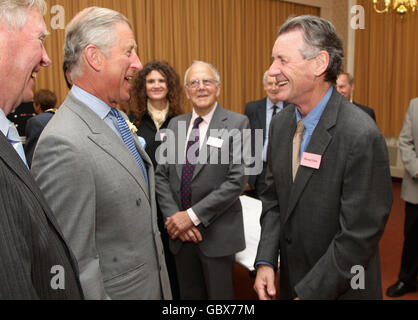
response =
{"points": [[129, 140], [191, 158]]}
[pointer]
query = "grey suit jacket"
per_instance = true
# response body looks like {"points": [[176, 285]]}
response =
{"points": [[104, 206], [408, 144], [331, 219], [216, 186], [31, 243]]}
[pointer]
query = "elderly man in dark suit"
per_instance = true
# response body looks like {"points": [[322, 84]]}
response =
{"points": [[35, 262], [260, 113], [345, 86], [329, 188], [200, 199]]}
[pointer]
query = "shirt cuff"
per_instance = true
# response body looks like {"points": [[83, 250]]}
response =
{"points": [[193, 217], [265, 263]]}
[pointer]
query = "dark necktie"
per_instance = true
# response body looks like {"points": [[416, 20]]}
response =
{"points": [[188, 168], [128, 139], [274, 110]]}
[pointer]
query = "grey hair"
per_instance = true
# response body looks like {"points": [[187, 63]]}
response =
{"points": [[15, 12], [196, 62], [319, 34], [92, 25]]}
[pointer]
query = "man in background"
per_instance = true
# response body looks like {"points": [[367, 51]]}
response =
{"points": [[345, 86], [44, 102], [93, 171], [260, 114], [408, 145], [199, 197], [32, 249]]}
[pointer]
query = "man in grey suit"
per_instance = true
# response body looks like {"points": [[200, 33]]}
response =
{"points": [[35, 261], [329, 188], [408, 144], [93, 171], [198, 189]]}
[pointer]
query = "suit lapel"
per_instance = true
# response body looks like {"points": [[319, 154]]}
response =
{"points": [[320, 140], [261, 117], [217, 123], [104, 137], [181, 142], [13, 161]]}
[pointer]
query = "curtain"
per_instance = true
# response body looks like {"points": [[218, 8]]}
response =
{"points": [[236, 36], [386, 66]]}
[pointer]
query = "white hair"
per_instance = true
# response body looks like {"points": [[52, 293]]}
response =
{"points": [[14, 13], [196, 62], [92, 25]]}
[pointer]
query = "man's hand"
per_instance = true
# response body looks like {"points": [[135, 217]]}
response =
{"points": [[178, 224], [264, 284], [191, 235]]}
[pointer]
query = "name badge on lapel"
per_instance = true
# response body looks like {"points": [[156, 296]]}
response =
{"points": [[215, 142], [311, 160]]}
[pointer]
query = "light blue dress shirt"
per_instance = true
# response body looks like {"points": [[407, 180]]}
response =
{"points": [[311, 120], [269, 116], [9, 130], [98, 106]]}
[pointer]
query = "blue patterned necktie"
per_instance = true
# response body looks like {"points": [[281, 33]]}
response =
{"points": [[188, 168], [128, 139], [14, 139]]}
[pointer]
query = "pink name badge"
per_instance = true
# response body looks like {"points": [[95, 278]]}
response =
{"points": [[311, 160]]}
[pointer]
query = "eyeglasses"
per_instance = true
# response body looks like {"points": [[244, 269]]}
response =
{"points": [[194, 84]]}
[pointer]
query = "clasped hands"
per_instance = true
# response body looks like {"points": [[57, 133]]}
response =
{"points": [[179, 225]]}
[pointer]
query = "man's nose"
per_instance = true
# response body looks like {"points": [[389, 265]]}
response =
{"points": [[45, 61]]}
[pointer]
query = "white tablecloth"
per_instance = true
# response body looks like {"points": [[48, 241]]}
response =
{"points": [[251, 210]]}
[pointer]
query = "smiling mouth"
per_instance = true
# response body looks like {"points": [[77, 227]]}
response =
{"points": [[283, 83]]}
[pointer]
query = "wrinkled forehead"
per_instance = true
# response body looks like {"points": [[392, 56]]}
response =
{"points": [[201, 71], [289, 41]]}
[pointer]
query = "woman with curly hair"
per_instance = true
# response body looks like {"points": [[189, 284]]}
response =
{"points": [[157, 97]]}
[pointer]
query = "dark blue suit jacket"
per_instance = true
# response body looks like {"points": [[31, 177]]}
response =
{"points": [[34, 128]]}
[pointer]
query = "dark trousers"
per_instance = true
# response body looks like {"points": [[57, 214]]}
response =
{"points": [[409, 263], [203, 278]]}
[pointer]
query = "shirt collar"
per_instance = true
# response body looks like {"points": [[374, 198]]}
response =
{"points": [[271, 104], [98, 106], [312, 119], [4, 123], [207, 118]]}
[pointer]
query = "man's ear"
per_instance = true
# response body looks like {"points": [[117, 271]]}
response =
{"points": [[94, 57], [321, 63]]}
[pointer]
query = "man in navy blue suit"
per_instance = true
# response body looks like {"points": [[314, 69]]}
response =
{"points": [[44, 102]]}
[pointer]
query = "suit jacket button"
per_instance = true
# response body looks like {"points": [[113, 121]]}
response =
{"points": [[288, 240], [138, 202]]}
